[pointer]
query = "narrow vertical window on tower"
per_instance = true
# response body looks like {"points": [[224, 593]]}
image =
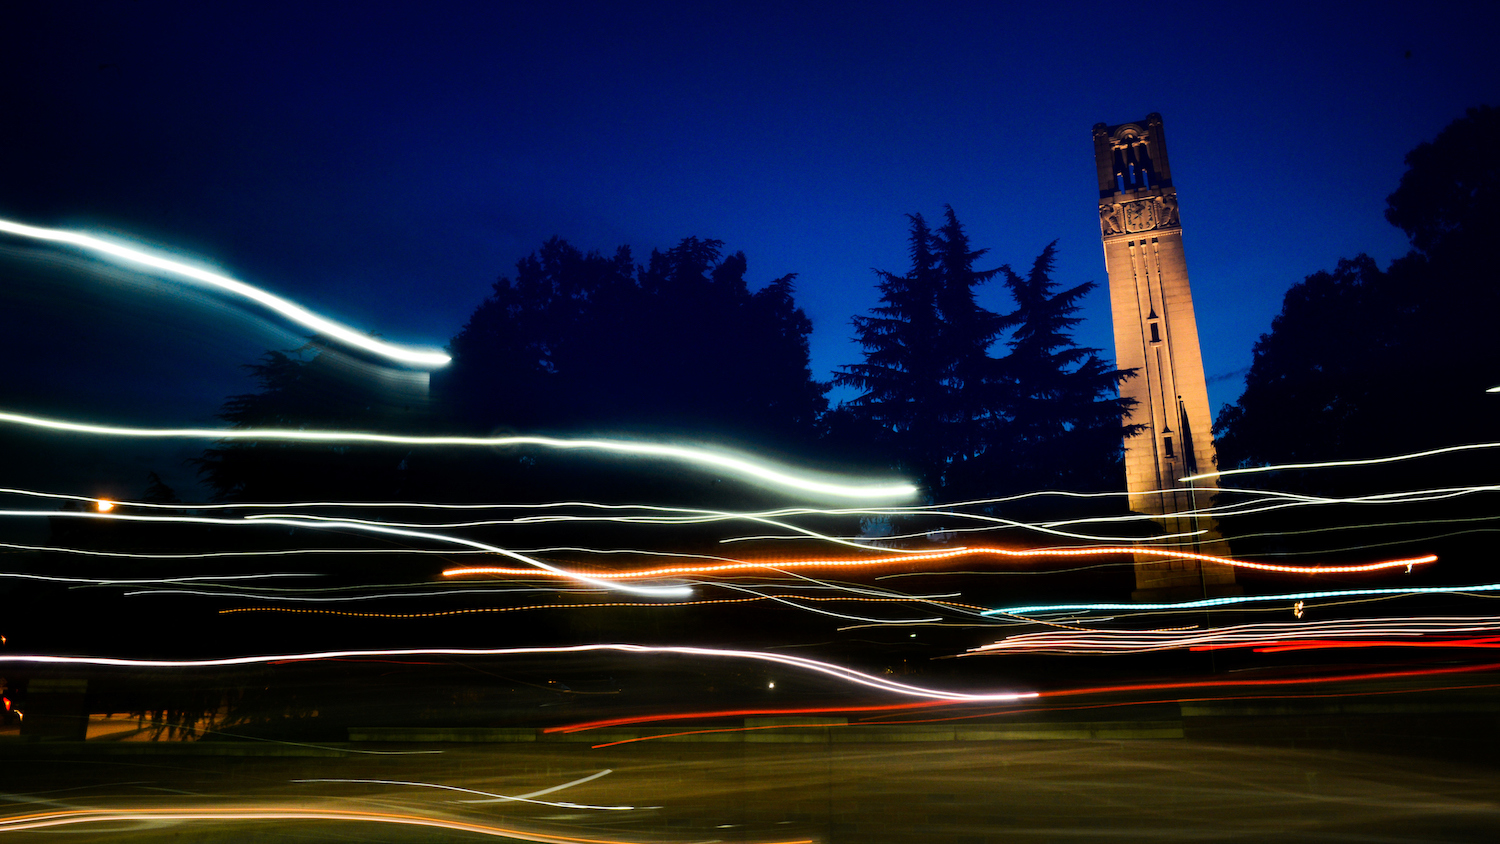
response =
{"points": [[1155, 334], [1166, 446]]}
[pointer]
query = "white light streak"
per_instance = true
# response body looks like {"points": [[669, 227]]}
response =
{"points": [[810, 665], [1145, 641], [1244, 599], [693, 455], [495, 798], [652, 591], [1333, 464], [292, 311]]}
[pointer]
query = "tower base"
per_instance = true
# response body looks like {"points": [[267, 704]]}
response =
{"points": [[1161, 581]]}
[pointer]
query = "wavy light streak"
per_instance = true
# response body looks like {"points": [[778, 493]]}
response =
{"points": [[692, 455], [1258, 636], [652, 605], [1336, 464], [491, 796], [215, 813], [1243, 599], [949, 554], [837, 672], [663, 591], [292, 311]]}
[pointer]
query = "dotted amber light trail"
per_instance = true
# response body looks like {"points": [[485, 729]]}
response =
{"points": [[652, 604], [949, 554]]}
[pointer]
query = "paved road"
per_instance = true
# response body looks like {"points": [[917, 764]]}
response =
{"points": [[1023, 791]]}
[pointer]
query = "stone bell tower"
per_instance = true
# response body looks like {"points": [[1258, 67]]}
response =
{"points": [[1157, 336]]}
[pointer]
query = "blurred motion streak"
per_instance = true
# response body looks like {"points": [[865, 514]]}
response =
{"points": [[1278, 682], [1337, 464], [701, 457], [1242, 599], [811, 665], [671, 591], [45, 820], [495, 798], [292, 311], [668, 571], [1257, 636]]}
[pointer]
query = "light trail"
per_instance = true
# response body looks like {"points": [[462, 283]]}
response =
{"points": [[664, 591], [692, 455], [116, 581], [1084, 691], [927, 556], [848, 675], [1336, 464], [736, 713], [495, 798], [1487, 642], [338, 599], [554, 789], [1242, 599], [292, 311], [1242, 635], [214, 813], [653, 605]]}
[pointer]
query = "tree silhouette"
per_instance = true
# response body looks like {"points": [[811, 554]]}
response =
{"points": [[904, 375], [1060, 400], [966, 423], [313, 388], [1362, 362], [579, 342]]}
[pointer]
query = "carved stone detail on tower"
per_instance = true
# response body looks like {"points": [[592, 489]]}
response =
{"points": [[1139, 215], [1111, 220]]}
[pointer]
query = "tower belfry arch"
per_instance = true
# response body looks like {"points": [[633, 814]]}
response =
{"points": [[1156, 334]]}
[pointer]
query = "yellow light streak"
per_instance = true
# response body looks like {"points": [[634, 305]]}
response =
{"points": [[212, 813]]}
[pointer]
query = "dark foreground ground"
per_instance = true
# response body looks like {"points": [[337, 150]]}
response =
{"points": [[1409, 767]]}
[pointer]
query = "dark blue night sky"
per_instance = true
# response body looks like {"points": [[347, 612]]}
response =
{"points": [[384, 162]]}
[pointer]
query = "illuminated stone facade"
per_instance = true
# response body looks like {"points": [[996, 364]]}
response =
{"points": [[1157, 336]]}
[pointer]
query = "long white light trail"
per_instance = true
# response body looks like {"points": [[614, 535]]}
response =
{"points": [[688, 454], [290, 310], [787, 660]]}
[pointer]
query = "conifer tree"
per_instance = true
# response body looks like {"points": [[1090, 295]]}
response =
{"points": [[967, 331], [902, 376], [966, 423], [1061, 403]]}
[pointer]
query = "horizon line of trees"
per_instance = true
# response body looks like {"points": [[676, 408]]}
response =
{"points": [[968, 402], [682, 343]]}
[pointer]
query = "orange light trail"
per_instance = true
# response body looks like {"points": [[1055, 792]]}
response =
{"points": [[602, 604], [44, 820], [745, 565]]}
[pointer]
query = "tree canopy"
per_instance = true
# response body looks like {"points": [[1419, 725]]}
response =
{"points": [[1363, 362], [968, 423], [583, 342]]}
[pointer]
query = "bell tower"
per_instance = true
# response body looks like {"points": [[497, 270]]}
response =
{"points": [[1157, 336]]}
